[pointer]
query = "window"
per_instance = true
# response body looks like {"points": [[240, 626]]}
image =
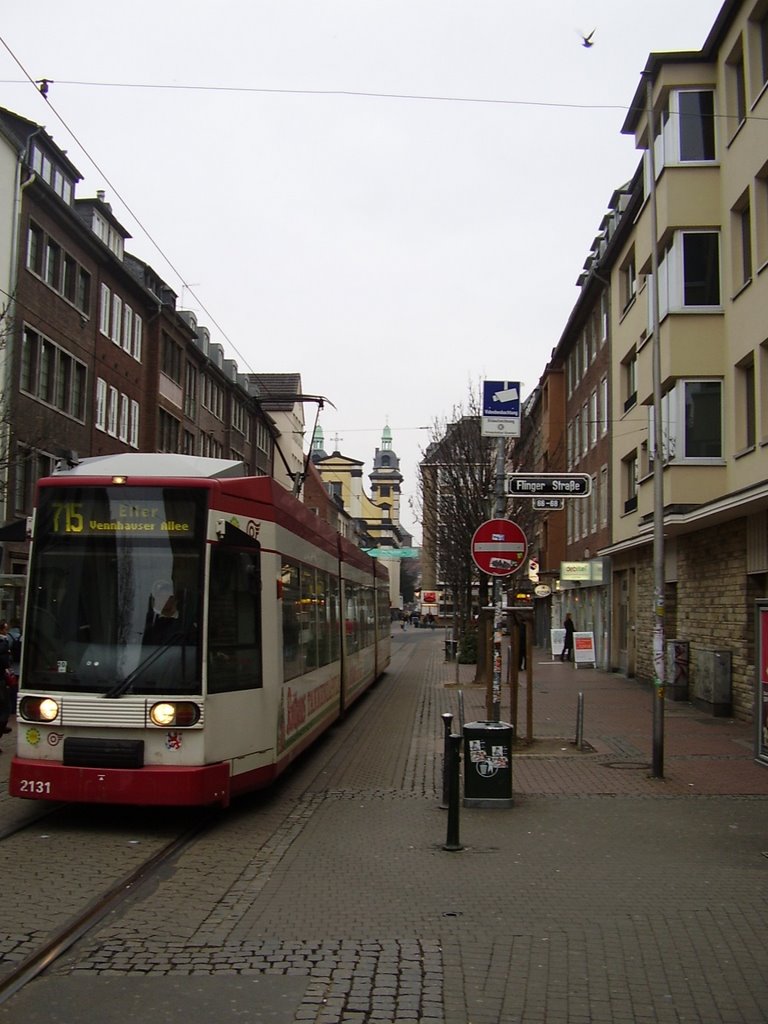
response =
{"points": [[604, 405], [584, 429], [576, 437], [762, 40], [603, 495], [105, 307], [234, 626], [31, 465], [736, 85], [52, 375], [628, 280], [190, 392], [124, 416], [60, 271], [701, 268], [629, 380], [117, 319], [746, 429], [138, 334], [212, 397], [35, 243], [741, 219], [696, 109], [240, 417], [692, 422], [593, 418], [171, 358], [689, 274], [101, 405], [52, 267], [629, 482], [685, 130], [112, 411], [133, 427], [168, 432], [83, 294], [127, 341]]}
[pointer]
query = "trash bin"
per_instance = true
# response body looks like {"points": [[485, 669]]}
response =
{"points": [[450, 649], [488, 764]]}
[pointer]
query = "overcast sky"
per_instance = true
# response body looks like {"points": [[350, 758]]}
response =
{"points": [[393, 198]]}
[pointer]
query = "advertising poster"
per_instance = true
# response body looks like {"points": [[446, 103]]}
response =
{"points": [[557, 639], [584, 649]]}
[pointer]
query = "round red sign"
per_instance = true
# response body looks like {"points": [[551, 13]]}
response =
{"points": [[499, 547]]}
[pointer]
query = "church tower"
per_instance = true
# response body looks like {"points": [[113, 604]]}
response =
{"points": [[386, 478]]}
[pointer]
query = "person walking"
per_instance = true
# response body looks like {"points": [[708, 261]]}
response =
{"points": [[569, 627]]}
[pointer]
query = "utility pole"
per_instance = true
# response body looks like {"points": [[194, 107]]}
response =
{"points": [[658, 465]]}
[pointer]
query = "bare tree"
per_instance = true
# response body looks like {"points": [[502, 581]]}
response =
{"points": [[457, 495]]}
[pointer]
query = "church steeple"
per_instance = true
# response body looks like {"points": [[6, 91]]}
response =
{"points": [[386, 478]]}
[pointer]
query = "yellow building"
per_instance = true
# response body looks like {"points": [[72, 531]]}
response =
{"points": [[709, 197]]}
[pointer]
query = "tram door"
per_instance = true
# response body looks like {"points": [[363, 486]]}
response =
{"points": [[625, 611]]}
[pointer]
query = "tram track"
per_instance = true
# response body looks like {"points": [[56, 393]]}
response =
{"points": [[84, 920]]}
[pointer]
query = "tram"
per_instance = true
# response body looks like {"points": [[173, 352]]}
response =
{"points": [[188, 631]]}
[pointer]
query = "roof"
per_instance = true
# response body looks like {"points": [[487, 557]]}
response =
{"points": [[153, 464], [276, 391]]}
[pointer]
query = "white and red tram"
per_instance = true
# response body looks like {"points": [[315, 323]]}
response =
{"points": [[188, 631]]}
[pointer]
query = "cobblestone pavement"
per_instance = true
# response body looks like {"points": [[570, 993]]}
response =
{"points": [[603, 895]]}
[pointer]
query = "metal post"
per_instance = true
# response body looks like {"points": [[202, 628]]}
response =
{"points": [[461, 710], [447, 720], [658, 466], [452, 843], [498, 615], [580, 721]]}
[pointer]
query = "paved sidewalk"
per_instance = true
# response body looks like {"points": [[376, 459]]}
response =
{"points": [[701, 754], [603, 896]]}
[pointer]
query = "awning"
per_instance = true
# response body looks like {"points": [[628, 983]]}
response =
{"points": [[14, 531]]}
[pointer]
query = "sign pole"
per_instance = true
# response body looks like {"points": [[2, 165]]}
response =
{"points": [[498, 615]]}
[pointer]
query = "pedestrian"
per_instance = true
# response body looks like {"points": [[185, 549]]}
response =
{"points": [[568, 626]]}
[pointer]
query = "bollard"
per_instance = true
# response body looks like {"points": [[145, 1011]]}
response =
{"points": [[447, 719], [452, 844], [580, 721]]}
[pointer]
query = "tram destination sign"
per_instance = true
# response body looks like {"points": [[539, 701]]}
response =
{"points": [[546, 485]]}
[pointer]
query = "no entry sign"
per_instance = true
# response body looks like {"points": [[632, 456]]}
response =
{"points": [[499, 547]]}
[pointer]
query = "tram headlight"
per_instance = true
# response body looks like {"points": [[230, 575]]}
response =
{"points": [[39, 709], [179, 713]]}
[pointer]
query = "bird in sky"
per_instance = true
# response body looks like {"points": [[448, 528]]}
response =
{"points": [[587, 40]]}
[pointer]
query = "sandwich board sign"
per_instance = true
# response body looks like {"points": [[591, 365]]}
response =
{"points": [[501, 408]]}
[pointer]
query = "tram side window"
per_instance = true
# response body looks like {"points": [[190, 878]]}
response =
{"points": [[234, 618], [352, 617], [383, 612], [291, 581], [332, 619], [322, 620], [308, 620]]}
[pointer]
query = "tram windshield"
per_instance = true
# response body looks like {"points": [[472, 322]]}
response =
{"points": [[115, 585]]}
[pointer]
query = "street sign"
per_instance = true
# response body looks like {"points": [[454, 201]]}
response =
{"points": [[392, 552], [539, 485], [499, 547], [501, 409], [548, 504]]}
